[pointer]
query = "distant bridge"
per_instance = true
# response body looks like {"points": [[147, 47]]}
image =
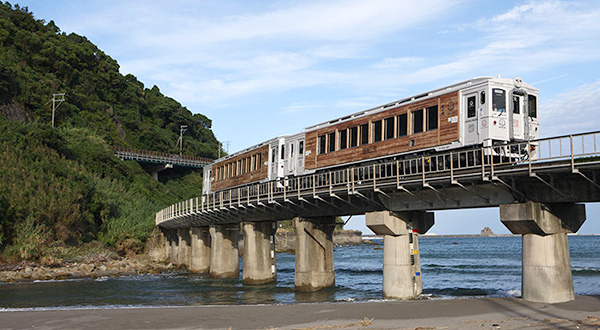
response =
{"points": [[537, 195], [156, 157], [155, 161]]}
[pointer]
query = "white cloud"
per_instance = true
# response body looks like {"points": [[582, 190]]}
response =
{"points": [[398, 62], [536, 36], [575, 110]]}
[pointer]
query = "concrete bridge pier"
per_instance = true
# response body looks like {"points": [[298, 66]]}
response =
{"points": [[224, 255], [401, 261], [314, 253], [184, 250], [154, 169], [259, 253], [164, 253], [546, 274], [200, 250], [173, 241]]}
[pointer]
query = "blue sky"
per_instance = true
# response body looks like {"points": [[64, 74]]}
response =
{"points": [[260, 69]]}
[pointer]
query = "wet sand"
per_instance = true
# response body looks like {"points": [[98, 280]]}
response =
{"points": [[475, 313]]}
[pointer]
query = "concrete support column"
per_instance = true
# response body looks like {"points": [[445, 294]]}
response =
{"points": [[224, 255], [259, 253], [546, 274], [200, 250], [163, 253], [174, 246], [184, 250], [314, 253], [401, 261]]}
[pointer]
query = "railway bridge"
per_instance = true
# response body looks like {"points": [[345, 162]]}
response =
{"points": [[155, 161], [539, 195]]}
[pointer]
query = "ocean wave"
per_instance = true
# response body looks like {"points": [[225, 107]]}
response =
{"points": [[75, 307], [59, 281], [585, 271], [351, 271]]}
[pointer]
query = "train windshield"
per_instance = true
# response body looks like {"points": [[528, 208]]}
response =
{"points": [[499, 100], [532, 106]]}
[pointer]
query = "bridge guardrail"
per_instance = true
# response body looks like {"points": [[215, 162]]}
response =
{"points": [[569, 151]]}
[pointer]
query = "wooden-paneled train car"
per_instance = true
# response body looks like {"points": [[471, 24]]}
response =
{"points": [[482, 111]]}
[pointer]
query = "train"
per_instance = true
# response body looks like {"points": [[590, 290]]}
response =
{"points": [[483, 111]]}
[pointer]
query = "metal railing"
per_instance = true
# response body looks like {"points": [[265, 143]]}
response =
{"points": [[160, 157], [569, 151]]}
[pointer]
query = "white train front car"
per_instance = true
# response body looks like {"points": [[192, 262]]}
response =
{"points": [[498, 111]]}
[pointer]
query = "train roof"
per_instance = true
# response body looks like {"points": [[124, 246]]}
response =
{"points": [[416, 98]]}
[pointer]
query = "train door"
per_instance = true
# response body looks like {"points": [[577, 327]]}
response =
{"points": [[517, 118], [293, 158], [533, 123], [471, 115], [300, 157], [282, 163], [274, 160]]}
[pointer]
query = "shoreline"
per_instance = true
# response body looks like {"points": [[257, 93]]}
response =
{"points": [[467, 313], [31, 272]]}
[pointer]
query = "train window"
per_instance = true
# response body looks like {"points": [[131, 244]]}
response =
{"points": [[243, 166], [516, 105], [353, 137], [331, 137], [343, 139], [238, 167], [482, 97], [253, 163], [364, 134], [301, 148], [532, 105], [322, 144], [282, 151], [389, 128], [417, 123], [274, 155], [259, 161], [377, 131], [498, 100], [432, 118], [471, 107], [402, 125]]}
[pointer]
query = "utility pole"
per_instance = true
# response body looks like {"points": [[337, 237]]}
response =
{"points": [[61, 99], [182, 129]]}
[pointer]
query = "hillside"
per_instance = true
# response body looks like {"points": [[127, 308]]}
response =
{"points": [[37, 60], [61, 189]]}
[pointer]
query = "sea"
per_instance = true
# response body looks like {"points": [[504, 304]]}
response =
{"points": [[452, 267]]}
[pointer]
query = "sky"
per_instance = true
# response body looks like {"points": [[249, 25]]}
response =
{"points": [[260, 69]]}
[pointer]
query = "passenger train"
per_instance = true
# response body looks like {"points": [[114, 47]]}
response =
{"points": [[478, 112]]}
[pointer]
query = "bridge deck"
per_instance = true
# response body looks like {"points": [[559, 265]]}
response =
{"points": [[160, 157], [459, 179]]}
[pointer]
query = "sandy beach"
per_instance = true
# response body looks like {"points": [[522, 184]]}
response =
{"points": [[475, 313]]}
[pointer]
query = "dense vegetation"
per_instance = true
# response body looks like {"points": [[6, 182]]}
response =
{"points": [[62, 187]]}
